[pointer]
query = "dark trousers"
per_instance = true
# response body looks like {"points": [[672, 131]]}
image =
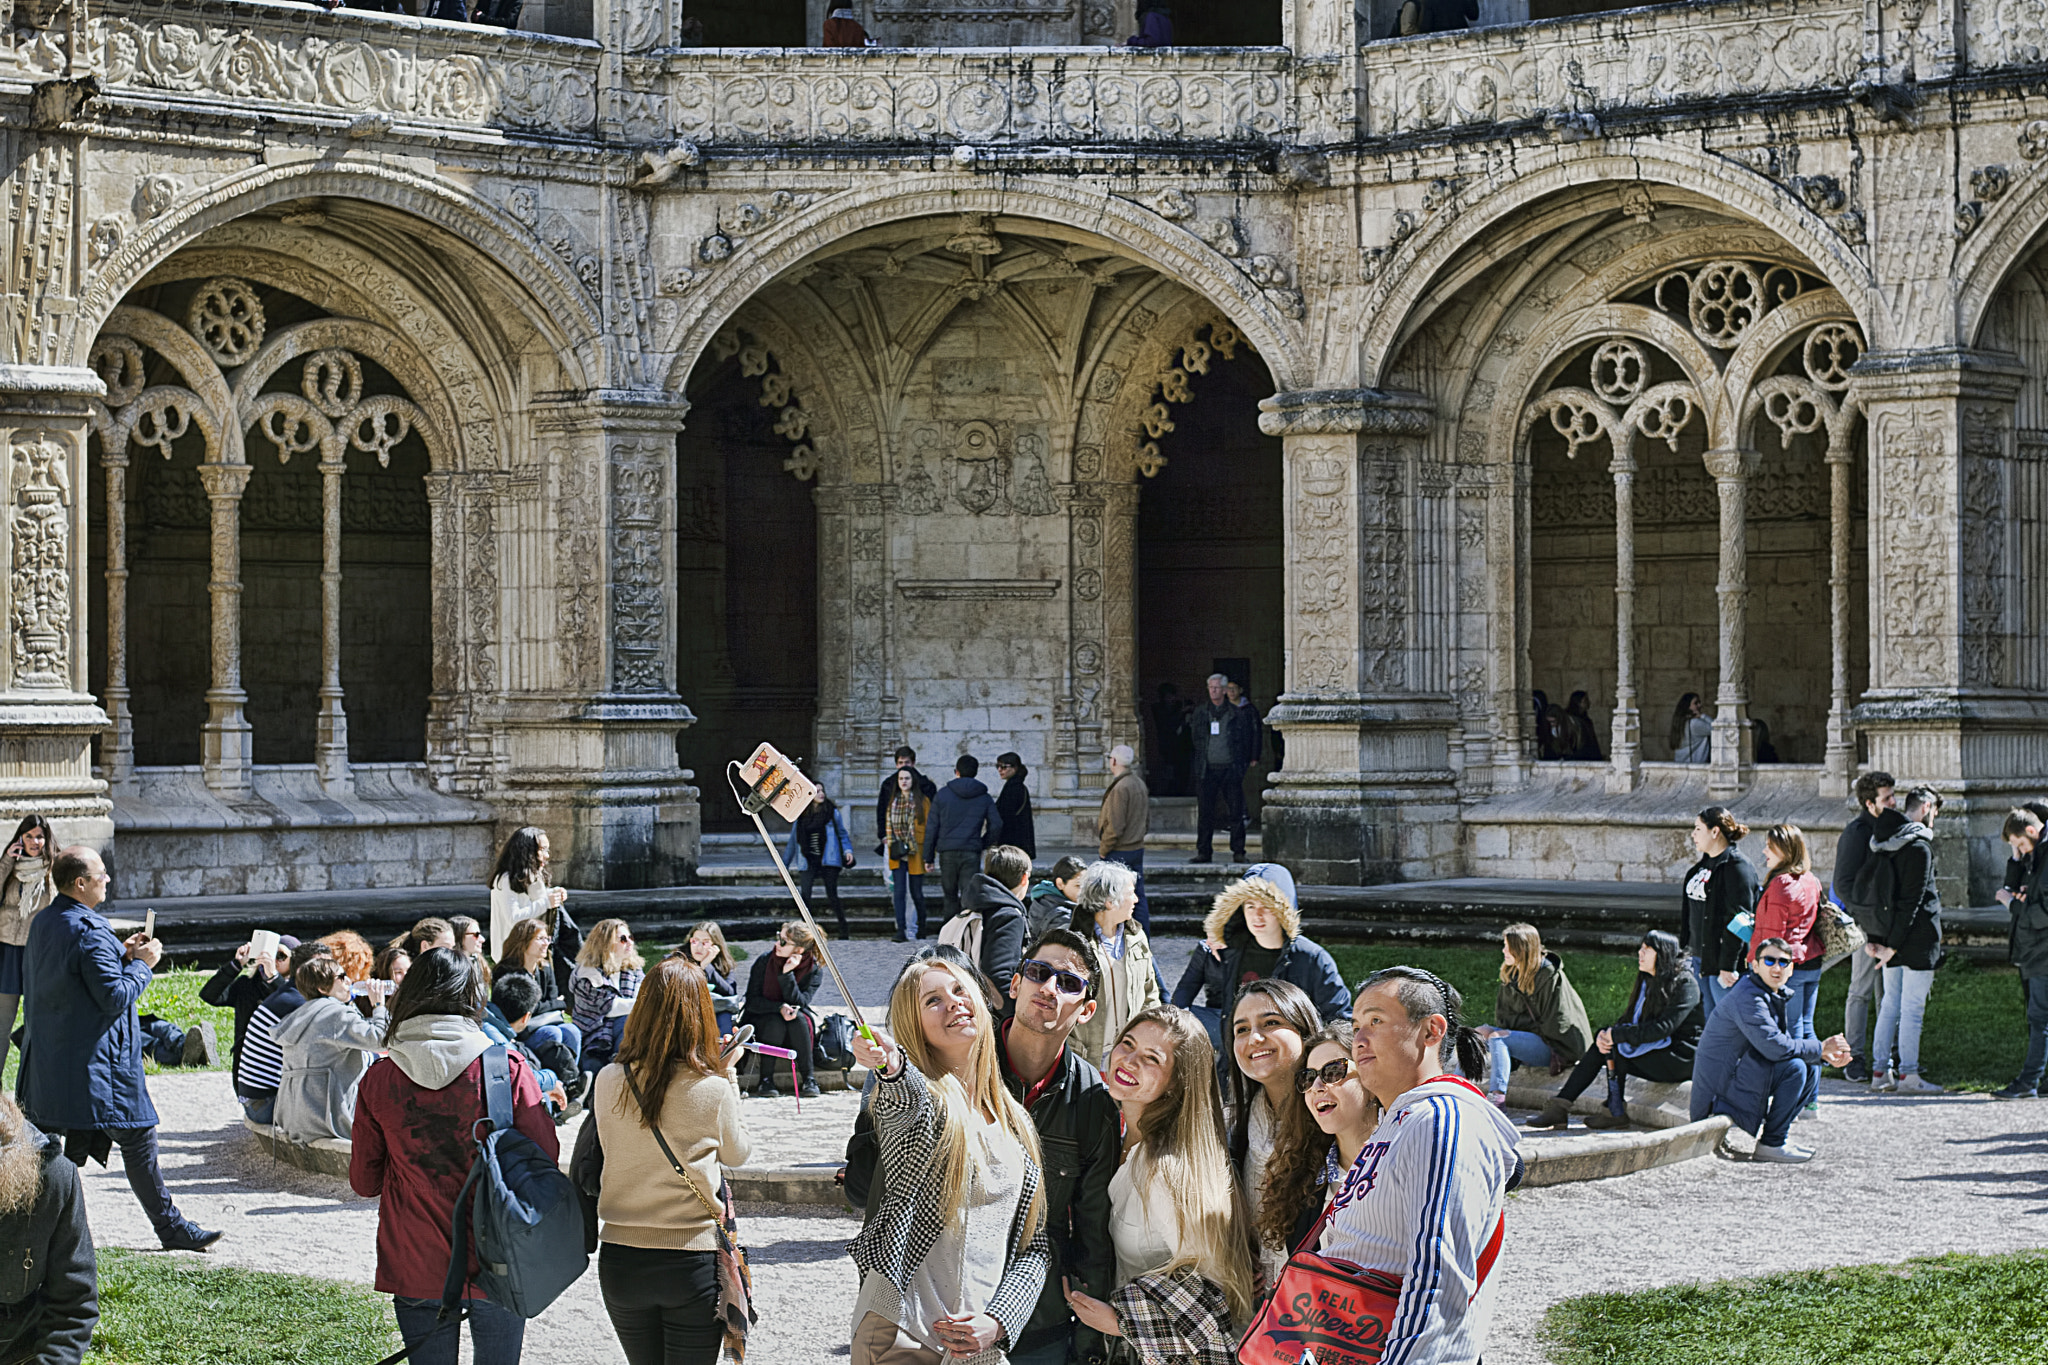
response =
{"points": [[794, 1034], [1226, 785], [957, 867], [496, 1335], [138, 1159], [1655, 1066], [663, 1304], [1134, 859], [812, 871], [162, 1041]]}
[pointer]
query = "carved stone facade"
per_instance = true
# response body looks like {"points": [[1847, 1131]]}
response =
{"points": [[1624, 355]]}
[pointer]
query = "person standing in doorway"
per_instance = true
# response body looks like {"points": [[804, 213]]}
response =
{"points": [[1226, 745], [1874, 796], [81, 1061], [1013, 803], [964, 821], [1124, 820]]}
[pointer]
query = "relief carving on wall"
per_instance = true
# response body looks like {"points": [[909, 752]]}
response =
{"points": [[39, 577], [639, 599], [1984, 511], [1914, 478], [1323, 552]]}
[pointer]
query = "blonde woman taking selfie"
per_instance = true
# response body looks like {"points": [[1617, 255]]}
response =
{"points": [[952, 1263]]}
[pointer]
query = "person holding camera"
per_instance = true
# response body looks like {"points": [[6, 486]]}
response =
{"points": [[81, 1062], [26, 889], [327, 1045]]}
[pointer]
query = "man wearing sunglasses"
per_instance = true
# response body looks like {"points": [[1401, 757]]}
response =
{"points": [[1079, 1134], [1750, 1067]]}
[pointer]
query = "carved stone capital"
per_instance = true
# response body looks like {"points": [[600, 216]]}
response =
{"points": [[1949, 371], [1336, 412], [224, 482], [1730, 465]]}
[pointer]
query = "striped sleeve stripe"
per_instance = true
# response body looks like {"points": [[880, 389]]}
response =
{"points": [[1425, 1276]]}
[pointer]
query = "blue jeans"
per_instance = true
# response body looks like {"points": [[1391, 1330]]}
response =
{"points": [[1134, 859], [1711, 989], [907, 890], [2037, 1033], [556, 1038], [495, 1334], [1792, 1085], [1805, 988], [1518, 1046], [1899, 1020], [259, 1110]]}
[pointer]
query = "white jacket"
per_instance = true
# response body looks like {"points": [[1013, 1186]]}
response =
{"points": [[1421, 1202]]}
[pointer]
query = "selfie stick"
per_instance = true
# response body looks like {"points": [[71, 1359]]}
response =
{"points": [[756, 800]]}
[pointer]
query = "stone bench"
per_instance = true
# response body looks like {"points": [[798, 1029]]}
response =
{"points": [[327, 1156], [1667, 1135]]}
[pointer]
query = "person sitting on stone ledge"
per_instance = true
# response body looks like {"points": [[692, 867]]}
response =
{"points": [[1539, 1019], [1253, 932], [1750, 1066], [42, 1218], [509, 1015], [327, 1046], [552, 1035], [245, 983], [425, 936], [608, 974], [1655, 1037], [260, 1069], [779, 991]]}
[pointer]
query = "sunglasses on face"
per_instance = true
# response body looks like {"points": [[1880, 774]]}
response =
{"points": [[1329, 1073], [1064, 981], [1776, 962]]}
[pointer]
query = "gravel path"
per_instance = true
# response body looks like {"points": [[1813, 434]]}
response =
{"points": [[1895, 1178]]}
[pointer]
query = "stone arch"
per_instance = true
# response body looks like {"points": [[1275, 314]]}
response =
{"points": [[1417, 263], [1572, 333], [554, 301], [367, 339], [2009, 236], [1054, 207]]}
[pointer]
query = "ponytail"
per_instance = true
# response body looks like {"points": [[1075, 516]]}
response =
{"points": [[1425, 993]]}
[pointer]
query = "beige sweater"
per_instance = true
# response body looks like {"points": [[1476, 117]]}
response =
{"points": [[1126, 815], [642, 1201]]}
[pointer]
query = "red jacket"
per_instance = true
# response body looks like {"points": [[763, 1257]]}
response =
{"points": [[1787, 910], [412, 1149]]}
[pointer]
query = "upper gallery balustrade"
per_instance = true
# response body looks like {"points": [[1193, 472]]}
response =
{"points": [[662, 70]]}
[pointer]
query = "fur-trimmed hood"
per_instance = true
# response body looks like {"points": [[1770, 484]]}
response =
{"points": [[1268, 883]]}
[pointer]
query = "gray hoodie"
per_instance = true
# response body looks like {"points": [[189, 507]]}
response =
{"points": [[434, 1049], [327, 1045]]}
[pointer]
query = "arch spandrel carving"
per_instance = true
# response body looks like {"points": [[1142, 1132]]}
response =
{"points": [[553, 300], [1054, 209], [1414, 270], [371, 341]]}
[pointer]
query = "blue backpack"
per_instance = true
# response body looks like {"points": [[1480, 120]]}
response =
{"points": [[526, 1216]]}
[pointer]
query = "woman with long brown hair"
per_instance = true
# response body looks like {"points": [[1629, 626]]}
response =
{"points": [[1176, 1215], [1320, 1137], [952, 1263], [668, 1099], [779, 991], [1789, 908], [608, 975], [1270, 1026], [26, 889]]}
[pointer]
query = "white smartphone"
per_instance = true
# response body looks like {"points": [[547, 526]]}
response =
{"points": [[149, 923]]}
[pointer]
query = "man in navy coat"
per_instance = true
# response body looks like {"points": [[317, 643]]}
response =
{"points": [[81, 1061]]}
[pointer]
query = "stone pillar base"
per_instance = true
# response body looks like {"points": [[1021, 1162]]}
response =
{"points": [[46, 767], [618, 811], [1367, 795]]}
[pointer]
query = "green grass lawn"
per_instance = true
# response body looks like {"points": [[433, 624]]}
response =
{"points": [[169, 1310], [1944, 1310], [1974, 1038], [174, 995]]}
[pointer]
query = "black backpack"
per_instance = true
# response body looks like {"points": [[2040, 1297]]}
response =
{"points": [[834, 1047]]}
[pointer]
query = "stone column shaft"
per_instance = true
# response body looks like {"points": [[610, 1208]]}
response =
{"points": [[330, 745], [225, 749], [1732, 747], [1626, 741], [1840, 759], [117, 749]]}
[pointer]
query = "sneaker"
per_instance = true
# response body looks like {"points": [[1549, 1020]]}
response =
{"points": [[1857, 1071], [1499, 1098], [1883, 1082], [1912, 1084], [202, 1047], [809, 1090], [187, 1235], [2016, 1091], [1786, 1155], [765, 1091]]}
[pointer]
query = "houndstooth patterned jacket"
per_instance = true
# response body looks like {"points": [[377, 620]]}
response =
{"points": [[900, 1235]]}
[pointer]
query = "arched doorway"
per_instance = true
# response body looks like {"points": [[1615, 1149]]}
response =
{"points": [[1211, 591]]}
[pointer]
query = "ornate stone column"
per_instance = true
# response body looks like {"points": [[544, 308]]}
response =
{"points": [[1626, 742], [117, 747], [1949, 704], [1732, 746], [1840, 759], [1367, 794], [47, 719], [591, 731], [330, 743], [225, 743]]}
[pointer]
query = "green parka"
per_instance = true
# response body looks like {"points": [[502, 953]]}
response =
{"points": [[1552, 1011]]}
